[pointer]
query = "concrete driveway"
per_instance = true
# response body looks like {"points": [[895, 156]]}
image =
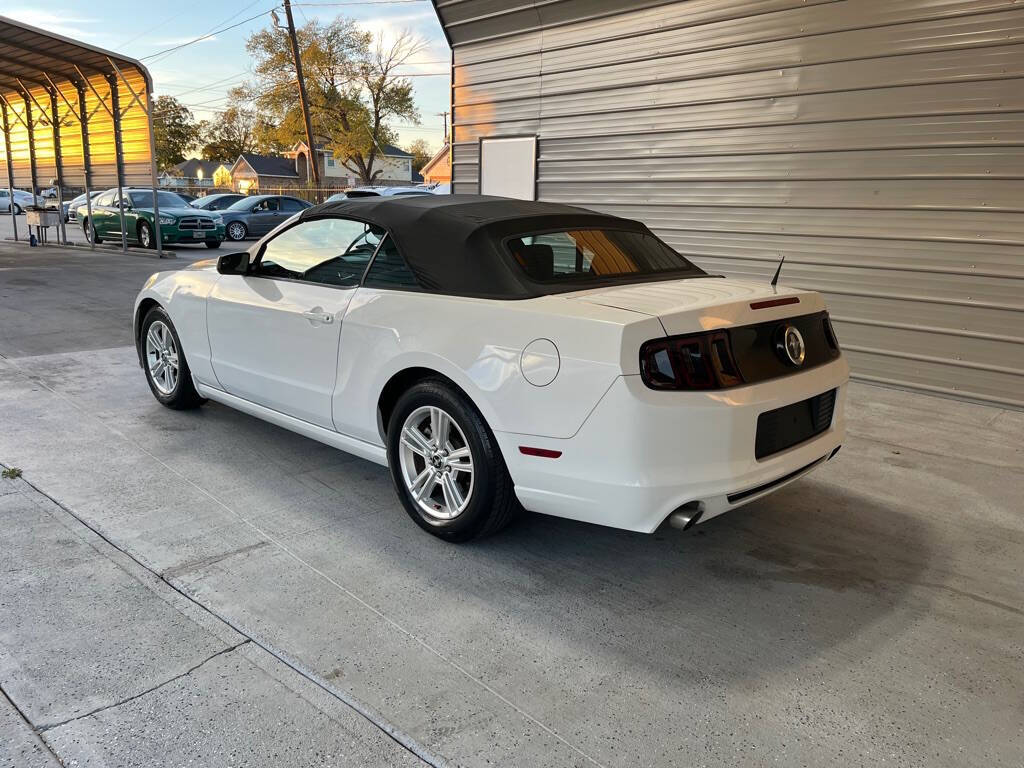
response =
{"points": [[198, 587]]}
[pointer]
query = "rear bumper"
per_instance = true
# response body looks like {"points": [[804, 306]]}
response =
{"points": [[642, 454]]}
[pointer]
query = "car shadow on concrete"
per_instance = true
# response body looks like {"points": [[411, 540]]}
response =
{"points": [[740, 597], [771, 586], [768, 586]]}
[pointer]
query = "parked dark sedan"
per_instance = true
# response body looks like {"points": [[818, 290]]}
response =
{"points": [[71, 208], [217, 202], [257, 215]]}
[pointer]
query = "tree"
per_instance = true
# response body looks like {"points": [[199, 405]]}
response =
{"points": [[237, 131], [175, 131], [354, 91], [421, 154]]}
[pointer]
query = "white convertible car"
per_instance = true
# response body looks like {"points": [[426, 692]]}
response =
{"points": [[499, 354]]}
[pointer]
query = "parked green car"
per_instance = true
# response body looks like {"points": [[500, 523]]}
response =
{"points": [[179, 222]]}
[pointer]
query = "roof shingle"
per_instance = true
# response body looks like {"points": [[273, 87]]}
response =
{"points": [[268, 165]]}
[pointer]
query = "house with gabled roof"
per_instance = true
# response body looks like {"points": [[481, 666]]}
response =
{"points": [[196, 173], [252, 172]]}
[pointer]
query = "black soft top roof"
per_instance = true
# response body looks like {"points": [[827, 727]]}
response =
{"points": [[454, 243]]}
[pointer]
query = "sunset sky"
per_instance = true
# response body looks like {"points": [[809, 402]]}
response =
{"points": [[200, 75]]}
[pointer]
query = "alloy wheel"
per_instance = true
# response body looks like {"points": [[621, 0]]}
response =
{"points": [[236, 231], [436, 463], [145, 236], [162, 357]]}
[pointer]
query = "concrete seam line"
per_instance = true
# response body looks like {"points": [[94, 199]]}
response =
{"points": [[405, 739], [35, 731], [158, 686], [367, 713]]}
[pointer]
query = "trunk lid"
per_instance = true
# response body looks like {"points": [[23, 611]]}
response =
{"points": [[695, 304]]}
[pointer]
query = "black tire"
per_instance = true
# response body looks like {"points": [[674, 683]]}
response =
{"points": [[236, 231], [183, 395], [213, 243], [90, 232], [145, 235], [492, 502], [17, 210]]}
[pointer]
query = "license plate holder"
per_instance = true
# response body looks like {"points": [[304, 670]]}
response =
{"points": [[199, 235], [786, 427]]}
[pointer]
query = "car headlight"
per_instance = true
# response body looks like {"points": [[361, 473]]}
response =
{"points": [[168, 220], [217, 218]]}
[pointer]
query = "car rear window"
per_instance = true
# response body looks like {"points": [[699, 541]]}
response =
{"points": [[578, 255]]}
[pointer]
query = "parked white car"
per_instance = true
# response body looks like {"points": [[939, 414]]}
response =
{"points": [[351, 194], [496, 353], [22, 200]]}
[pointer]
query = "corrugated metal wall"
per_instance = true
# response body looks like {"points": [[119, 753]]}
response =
{"points": [[878, 144], [134, 136]]}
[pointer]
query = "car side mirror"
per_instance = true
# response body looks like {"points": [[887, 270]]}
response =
{"points": [[234, 263]]}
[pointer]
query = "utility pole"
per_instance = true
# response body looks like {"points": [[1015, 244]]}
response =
{"points": [[303, 100], [445, 116]]}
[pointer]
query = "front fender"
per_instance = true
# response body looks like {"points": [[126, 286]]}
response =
{"points": [[182, 294]]}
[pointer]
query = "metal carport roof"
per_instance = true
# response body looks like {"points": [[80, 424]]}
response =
{"points": [[73, 112]]}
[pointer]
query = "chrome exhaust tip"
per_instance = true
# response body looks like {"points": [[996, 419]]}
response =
{"points": [[686, 516]]}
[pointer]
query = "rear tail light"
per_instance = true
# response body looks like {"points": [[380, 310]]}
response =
{"points": [[698, 362], [830, 332]]}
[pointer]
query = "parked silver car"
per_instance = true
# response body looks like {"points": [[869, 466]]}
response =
{"points": [[22, 200], [257, 215], [378, 192], [71, 208], [217, 202]]}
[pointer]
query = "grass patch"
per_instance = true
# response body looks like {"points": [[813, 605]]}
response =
{"points": [[11, 473]]}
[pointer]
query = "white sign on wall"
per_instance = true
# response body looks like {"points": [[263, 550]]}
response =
{"points": [[508, 167]]}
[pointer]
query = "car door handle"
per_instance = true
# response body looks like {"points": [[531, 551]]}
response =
{"points": [[317, 315]]}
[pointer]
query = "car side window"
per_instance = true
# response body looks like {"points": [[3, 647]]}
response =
{"points": [[330, 251], [389, 269], [291, 205], [107, 198]]}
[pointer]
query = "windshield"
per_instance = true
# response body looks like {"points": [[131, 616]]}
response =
{"points": [[242, 205], [216, 202], [593, 254], [165, 199]]}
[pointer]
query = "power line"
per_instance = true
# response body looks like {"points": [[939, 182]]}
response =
{"points": [[359, 2], [206, 36], [146, 31], [209, 86]]}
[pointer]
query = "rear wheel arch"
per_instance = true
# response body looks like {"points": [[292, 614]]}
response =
{"points": [[489, 503], [405, 379]]}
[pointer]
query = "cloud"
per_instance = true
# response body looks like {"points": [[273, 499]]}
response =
{"points": [[49, 21]]}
